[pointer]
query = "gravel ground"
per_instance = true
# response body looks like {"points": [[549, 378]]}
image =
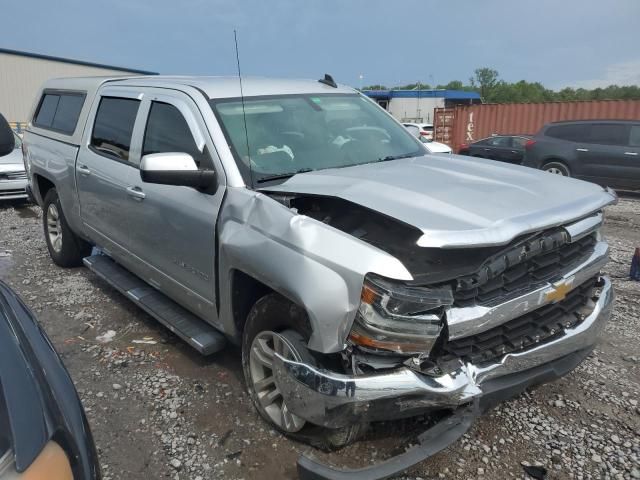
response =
{"points": [[159, 410]]}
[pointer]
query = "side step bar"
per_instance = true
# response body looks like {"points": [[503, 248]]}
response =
{"points": [[196, 332]]}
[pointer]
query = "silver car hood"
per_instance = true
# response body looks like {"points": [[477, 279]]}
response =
{"points": [[457, 201]]}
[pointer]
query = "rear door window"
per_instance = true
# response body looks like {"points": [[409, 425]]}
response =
{"points": [[168, 131], [499, 142], [634, 137], [578, 132], [609, 134], [519, 142], [59, 111], [113, 126]]}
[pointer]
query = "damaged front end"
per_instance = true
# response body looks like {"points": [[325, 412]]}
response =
{"points": [[473, 328]]}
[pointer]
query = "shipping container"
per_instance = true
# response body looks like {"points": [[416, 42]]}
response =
{"points": [[469, 123]]}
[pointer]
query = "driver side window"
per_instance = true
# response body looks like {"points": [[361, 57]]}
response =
{"points": [[168, 131]]}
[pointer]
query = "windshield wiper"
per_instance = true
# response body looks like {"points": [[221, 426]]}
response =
{"points": [[281, 176], [395, 157]]}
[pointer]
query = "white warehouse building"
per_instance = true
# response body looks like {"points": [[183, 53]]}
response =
{"points": [[22, 74], [417, 106]]}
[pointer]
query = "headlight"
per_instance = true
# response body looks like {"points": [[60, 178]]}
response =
{"points": [[51, 464], [399, 318]]}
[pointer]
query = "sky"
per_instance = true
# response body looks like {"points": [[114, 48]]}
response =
{"points": [[579, 43]]}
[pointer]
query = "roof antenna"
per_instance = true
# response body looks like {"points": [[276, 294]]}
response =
{"points": [[328, 80], [244, 115]]}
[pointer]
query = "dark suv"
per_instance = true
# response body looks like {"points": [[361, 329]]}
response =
{"points": [[601, 151]]}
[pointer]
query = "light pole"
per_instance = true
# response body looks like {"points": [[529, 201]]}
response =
{"points": [[361, 77]]}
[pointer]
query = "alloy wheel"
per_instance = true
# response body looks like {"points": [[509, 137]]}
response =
{"points": [[54, 228], [261, 357]]}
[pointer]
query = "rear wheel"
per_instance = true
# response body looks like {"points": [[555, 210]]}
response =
{"points": [[65, 247], [275, 325], [557, 168]]}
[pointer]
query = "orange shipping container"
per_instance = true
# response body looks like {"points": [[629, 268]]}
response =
{"points": [[467, 124]]}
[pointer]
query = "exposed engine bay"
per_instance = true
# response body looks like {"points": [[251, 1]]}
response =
{"points": [[426, 265]]}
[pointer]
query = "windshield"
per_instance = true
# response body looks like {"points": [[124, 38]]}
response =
{"points": [[299, 133]]}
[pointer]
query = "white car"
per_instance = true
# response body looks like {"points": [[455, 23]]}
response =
{"points": [[430, 145], [424, 129], [13, 178], [436, 147]]}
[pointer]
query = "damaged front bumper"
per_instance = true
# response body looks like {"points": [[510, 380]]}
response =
{"points": [[334, 400]]}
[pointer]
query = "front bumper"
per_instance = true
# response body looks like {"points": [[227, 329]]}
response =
{"points": [[334, 400], [13, 189]]}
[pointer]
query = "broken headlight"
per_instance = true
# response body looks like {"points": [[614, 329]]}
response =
{"points": [[399, 318]]}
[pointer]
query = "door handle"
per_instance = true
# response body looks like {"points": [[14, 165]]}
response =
{"points": [[633, 154], [582, 149], [84, 170], [136, 193]]}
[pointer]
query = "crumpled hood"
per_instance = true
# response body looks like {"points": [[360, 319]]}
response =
{"points": [[457, 201]]}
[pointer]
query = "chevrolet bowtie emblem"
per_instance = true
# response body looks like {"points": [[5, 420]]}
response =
{"points": [[559, 292]]}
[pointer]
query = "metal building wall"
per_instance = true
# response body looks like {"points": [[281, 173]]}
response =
{"points": [[22, 76], [414, 109], [466, 124]]}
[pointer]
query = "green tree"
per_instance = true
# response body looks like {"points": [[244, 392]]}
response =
{"points": [[485, 80], [487, 83]]}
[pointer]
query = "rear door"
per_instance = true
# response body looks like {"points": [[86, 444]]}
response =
{"points": [[104, 167], [602, 155], [498, 148], [173, 228], [518, 149]]}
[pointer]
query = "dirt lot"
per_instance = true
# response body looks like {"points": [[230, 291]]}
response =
{"points": [[158, 409]]}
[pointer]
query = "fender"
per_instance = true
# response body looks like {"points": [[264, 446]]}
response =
{"points": [[313, 264]]}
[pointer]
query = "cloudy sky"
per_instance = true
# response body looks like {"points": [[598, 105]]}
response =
{"points": [[560, 43]]}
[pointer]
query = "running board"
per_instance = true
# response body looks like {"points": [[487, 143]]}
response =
{"points": [[196, 332]]}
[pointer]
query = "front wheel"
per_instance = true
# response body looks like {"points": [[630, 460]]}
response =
{"points": [[557, 168], [65, 247], [275, 325]]}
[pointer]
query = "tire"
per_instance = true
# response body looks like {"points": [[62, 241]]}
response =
{"points": [[273, 313], [65, 247], [557, 168]]}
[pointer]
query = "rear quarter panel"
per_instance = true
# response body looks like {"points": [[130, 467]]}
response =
{"points": [[54, 160]]}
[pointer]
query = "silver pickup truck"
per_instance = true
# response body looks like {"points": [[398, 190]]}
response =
{"points": [[364, 279]]}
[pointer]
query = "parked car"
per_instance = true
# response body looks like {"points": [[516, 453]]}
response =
{"points": [[424, 129], [506, 148], [435, 147], [364, 279], [13, 178], [606, 152], [43, 429], [430, 145]]}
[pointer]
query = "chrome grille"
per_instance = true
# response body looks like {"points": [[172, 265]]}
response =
{"points": [[13, 176], [538, 326], [522, 268]]}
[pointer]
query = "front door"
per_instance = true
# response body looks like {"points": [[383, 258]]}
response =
{"points": [[104, 168], [173, 228]]}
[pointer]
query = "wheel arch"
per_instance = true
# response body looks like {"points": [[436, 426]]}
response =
{"points": [[41, 185], [246, 290], [559, 160]]}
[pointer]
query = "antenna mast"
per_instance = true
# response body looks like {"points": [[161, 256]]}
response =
{"points": [[244, 115]]}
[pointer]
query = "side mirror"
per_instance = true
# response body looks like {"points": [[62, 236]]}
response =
{"points": [[176, 169], [7, 140]]}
